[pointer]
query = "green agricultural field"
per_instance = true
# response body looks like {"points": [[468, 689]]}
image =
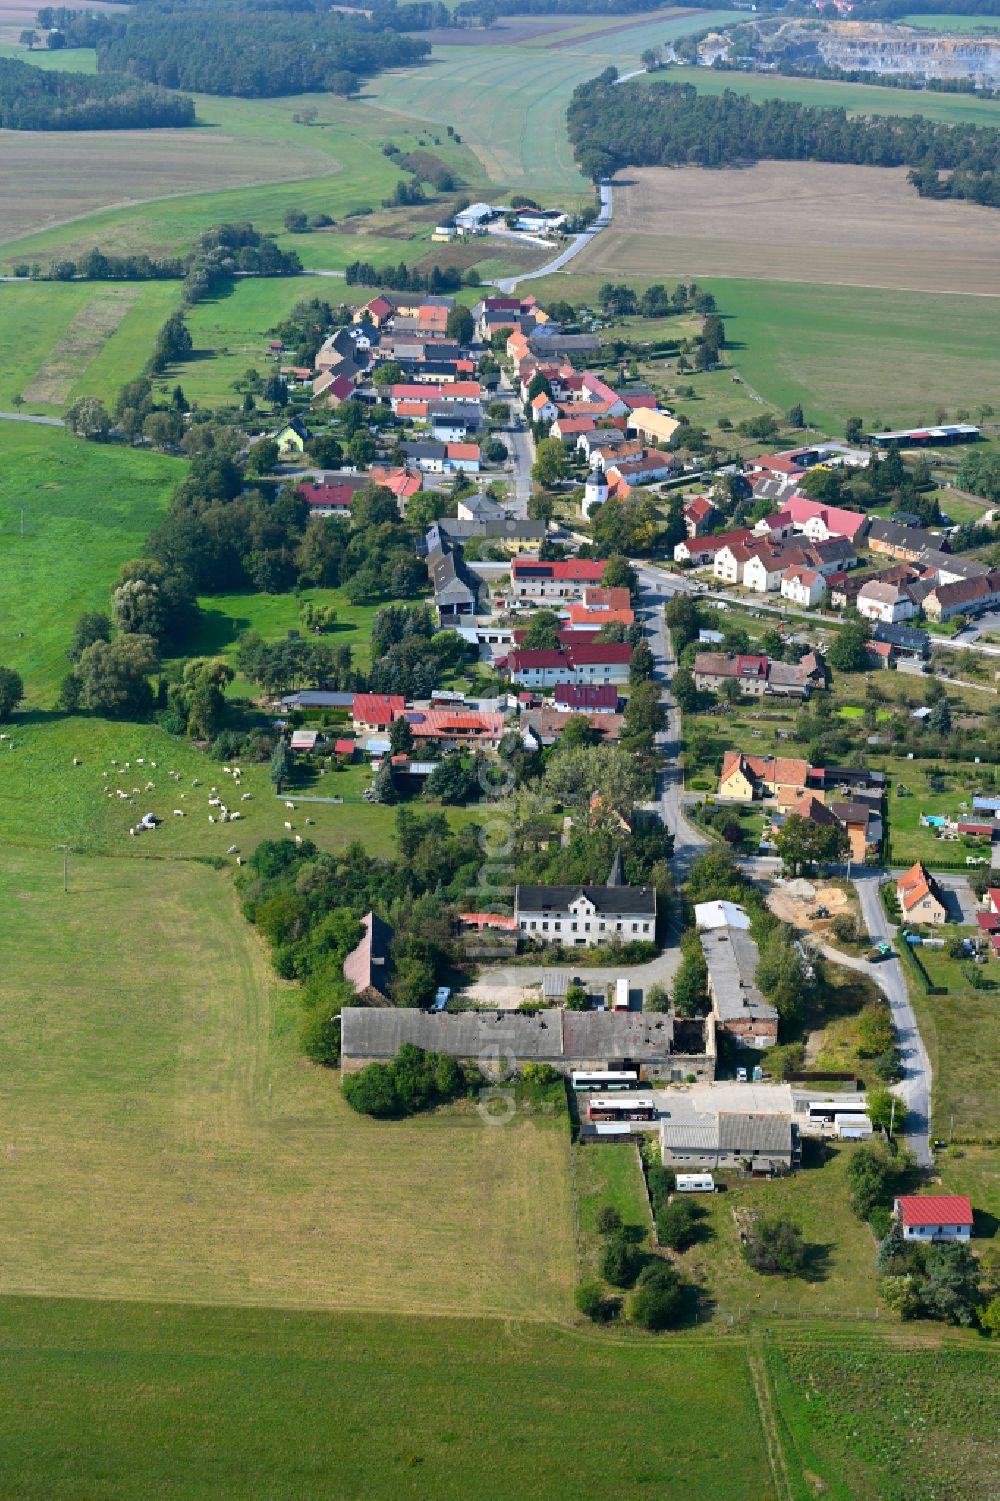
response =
{"points": [[508, 102], [197, 1402], [250, 161], [856, 98], [165, 1139], [62, 340], [62, 60], [848, 351], [974, 24], [86, 508]]}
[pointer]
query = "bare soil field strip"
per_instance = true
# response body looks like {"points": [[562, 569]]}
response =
{"points": [[52, 177], [80, 344], [797, 221]]}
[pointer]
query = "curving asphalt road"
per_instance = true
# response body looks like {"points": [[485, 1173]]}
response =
{"points": [[508, 283]]}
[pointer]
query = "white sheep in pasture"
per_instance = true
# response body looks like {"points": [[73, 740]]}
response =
{"points": [[226, 770], [76, 761], [234, 816], [310, 822], [245, 797], [153, 765], [290, 805], [211, 818], [178, 812], [298, 839], [288, 826], [150, 786], [139, 761], [232, 849], [215, 802], [239, 859]]}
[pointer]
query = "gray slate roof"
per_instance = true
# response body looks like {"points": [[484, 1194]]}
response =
{"points": [[608, 900], [755, 1133], [557, 1035], [731, 956]]}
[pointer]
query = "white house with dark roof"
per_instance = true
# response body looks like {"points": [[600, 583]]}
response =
{"points": [[587, 916]]}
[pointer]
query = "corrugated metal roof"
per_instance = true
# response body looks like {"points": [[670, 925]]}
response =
{"points": [[755, 1133]]}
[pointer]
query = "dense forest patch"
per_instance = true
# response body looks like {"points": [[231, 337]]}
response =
{"points": [[673, 125], [31, 99]]}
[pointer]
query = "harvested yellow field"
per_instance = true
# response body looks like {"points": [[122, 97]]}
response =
{"points": [[796, 221]]}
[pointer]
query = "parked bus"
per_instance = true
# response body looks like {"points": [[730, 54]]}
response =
{"points": [[602, 1109], [828, 1110], [626, 1078]]}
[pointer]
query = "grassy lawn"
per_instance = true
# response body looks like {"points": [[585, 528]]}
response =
{"points": [[910, 841], [842, 1277], [961, 1031], [87, 508], [46, 800], [975, 1171], [843, 351], [166, 1140], [231, 332], [608, 1173], [194, 1402], [63, 60], [225, 617]]}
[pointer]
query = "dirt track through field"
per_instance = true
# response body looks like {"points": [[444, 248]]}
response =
{"points": [[80, 344], [797, 221]]}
